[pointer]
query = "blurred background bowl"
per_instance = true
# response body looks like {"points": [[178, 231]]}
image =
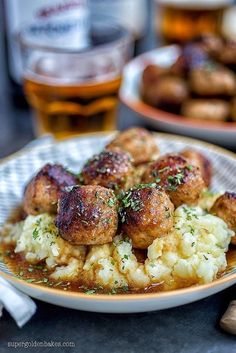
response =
{"points": [[223, 133]]}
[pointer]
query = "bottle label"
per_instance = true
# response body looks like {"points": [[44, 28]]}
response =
{"points": [[56, 23]]}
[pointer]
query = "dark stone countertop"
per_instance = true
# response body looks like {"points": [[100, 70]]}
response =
{"points": [[192, 328]]}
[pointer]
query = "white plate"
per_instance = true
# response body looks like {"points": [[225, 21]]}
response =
{"points": [[16, 171], [223, 133]]}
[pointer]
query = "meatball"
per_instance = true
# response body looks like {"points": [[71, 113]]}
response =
{"points": [[87, 215], [139, 142], [181, 180], [111, 169], [228, 54], [146, 213], [192, 56], [233, 109], [199, 160], [212, 45], [42, 192], [206, 109], [169, 90], [225, 208], [212, 81], [152, 73]]}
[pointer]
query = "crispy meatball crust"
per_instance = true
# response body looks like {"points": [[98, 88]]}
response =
{"points": [[206, 109], [212, 45], [228, 54], [212, 82], [170, 89], [42, 192], [181, 180], [225, 208], [111, 169], [152, 73], [87, 215], [147, 213], [199, 160], [139, 142], [233, 109]]}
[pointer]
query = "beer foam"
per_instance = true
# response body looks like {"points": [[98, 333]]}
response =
{"points": [[57, 69]]}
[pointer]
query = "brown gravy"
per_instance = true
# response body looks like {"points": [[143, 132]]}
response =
{"points": [[40, 275]]}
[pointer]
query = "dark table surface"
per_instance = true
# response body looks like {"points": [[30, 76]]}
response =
{"points": [[192, 328]]}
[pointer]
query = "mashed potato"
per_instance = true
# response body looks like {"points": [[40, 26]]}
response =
{"points": [[39, 241], [193, 253]]}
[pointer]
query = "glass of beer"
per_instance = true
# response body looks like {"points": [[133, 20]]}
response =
{"points": [[179, 21], [72, 82]]}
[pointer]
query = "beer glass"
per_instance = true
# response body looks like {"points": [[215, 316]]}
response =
{"points": [[178, 21], [74, 90]]}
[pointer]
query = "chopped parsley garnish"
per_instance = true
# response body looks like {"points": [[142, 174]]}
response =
{"points": [[111, 202], [35, 233], [191, 229], [189, 214], [154, 173], [175, 180], [90, 291], [167, 212], [143, 186], [124, 289], [36, 230], [106, 221], [38, 267], [113, 291], [132, 201], [128, 201]]}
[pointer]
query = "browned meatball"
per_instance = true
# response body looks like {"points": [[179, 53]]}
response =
{"points": [[87, 215], [192, 56], [139, 142], [206, 109], [225, 208], [152, 73], [42, 192], [212, 44], [146, 213], [215, 81], [181, 180], [171, 90], [111, 169], [199, 160], [233, 109], [228, 54]]}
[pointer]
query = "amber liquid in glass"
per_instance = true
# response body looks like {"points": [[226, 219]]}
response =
{"points": [[66, 110], [178, 24]]}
